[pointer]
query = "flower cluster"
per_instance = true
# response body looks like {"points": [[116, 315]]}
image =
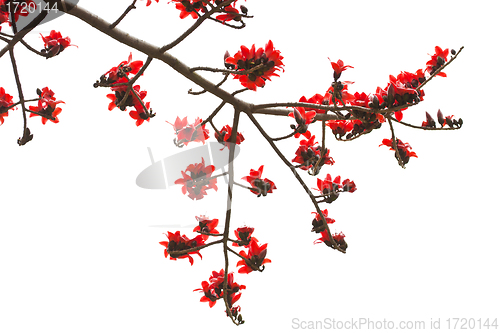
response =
{"points": [[256, 65], [195, 8], [403, 150], [198, 181], [309, 155], [47, 106], [189, 132], [178, 243], [54, 44], [124, 95], [5, 102], [259, 186]]}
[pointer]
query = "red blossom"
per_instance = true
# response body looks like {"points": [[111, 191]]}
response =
{"points": [[150, 1], [307, 155], [189, 132], [5, 102], [206, 226], [224, 136], [213, 289], [438, 59], [340, 127], [255, 257], [338, 238], [47, 106], [403, 149], [140, 114], [244, 236], [198, 180], [303, 119], [259, 186], [317, 222], [338, 68], [268, 60], [176, 242], [54, 43], [125, 68]]}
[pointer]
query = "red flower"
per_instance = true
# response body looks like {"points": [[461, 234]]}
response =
{"points": [[198, 181], [176, 242], [244, 236], [340, 127], [437, 61], [189, 132], [20, 10], [5, 102], [303, 118], [55, 44], [318, 222], [139, 114], [308, 155], [403, 149], [231, 13], [189, 7], [338, 238], [338, 68], [256, 256], [47, 106], [207, 226], [213, 289], [150, 1], [131, 99], [225, 136], [126, 67], [268, 60], [260, 186]]}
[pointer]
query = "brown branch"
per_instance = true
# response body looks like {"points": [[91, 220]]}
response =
{"points": [[129, 8]]}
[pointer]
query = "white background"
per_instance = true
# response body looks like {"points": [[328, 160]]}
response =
{"points": [[79, 240]]}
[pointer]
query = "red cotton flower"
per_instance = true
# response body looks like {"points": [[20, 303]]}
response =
{"points": [[206, 226], [176, 243], [47, 106], [338, 68], [258, 65], [255, 258], [213, 289], [259, 186], [403, 149], [125, 68], [338, 238], [131, 99], [340, 127], [189, 132], [5, 102], [140, 115], [317, 222], [303, 119], [150, 1], [244, 236], [437, 61], [198, 180], [308, 155], [189, 8], [225, 136], [54, 43]]}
